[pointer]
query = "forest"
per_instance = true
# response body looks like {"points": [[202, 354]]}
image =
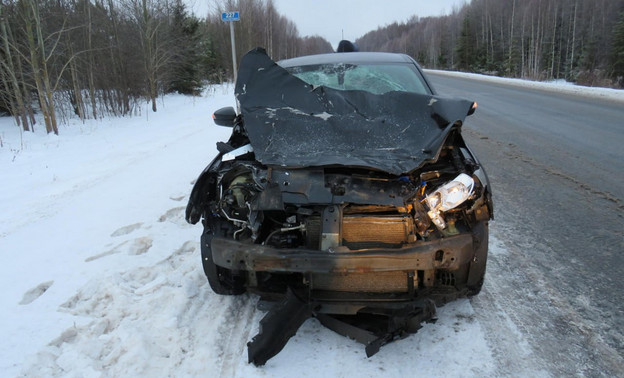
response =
{"points": [[95, 58], [577, 40]]}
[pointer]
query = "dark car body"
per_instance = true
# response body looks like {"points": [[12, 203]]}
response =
{"points": [[341, 195]]}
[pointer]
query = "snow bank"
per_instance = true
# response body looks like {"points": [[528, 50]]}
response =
{"points": [[557, 86], [102, 276]]}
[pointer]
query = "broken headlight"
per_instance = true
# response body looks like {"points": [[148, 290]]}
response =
{"points": [[447, 197]]}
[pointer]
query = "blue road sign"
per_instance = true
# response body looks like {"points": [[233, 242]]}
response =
{"points": [[230, 16]]}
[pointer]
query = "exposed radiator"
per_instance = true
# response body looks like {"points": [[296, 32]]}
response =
{"points": [[379, 282], [364, 231]]}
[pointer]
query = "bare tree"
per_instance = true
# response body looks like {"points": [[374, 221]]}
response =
{"points": [[9, 77]]}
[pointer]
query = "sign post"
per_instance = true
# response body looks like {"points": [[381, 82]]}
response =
{"points": [[230, 17]]}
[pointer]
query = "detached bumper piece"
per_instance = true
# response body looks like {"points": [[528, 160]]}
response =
{"points": [[277, 327], [373, 327], [377, 327]]}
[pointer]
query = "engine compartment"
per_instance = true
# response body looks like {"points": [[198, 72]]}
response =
{"points": [[337, 210], [287, 207]]}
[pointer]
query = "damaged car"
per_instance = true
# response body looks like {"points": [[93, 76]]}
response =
{"points": [[345, 192]]}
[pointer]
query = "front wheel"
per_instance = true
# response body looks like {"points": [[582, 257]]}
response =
{"points": [[479, 262], [476, 288], [222, 281]]}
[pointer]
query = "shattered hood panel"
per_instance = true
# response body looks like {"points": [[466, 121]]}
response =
{"points": [[291, 123]]}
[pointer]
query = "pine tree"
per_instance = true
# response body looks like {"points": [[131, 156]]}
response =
{"points": [[617, 53], [465, 45], [186, 74]]}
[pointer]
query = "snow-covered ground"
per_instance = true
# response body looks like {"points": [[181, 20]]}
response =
{"points": [[101, 275]]}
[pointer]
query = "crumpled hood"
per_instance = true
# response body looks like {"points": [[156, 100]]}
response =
{"points": [[293, 124]]}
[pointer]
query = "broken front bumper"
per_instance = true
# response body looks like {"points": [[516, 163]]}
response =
{"points": [[384, 319], [449, 253]]}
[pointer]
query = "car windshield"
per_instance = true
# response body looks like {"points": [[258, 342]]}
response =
{"points": [[374, 78]]}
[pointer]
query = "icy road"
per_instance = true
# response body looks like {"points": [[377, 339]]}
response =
{"points": [[101, 275]]}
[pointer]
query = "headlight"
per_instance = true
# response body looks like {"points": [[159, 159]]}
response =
{"points": [[447, 197], [451, 194]]}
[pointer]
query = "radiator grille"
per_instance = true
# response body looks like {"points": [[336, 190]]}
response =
{"points": [[380, 282]]}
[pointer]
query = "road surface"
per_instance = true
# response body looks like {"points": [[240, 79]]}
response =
{"points": [[556, 164]]}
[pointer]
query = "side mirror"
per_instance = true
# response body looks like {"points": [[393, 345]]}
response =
{"points": [[473, 108], [224, 116]]}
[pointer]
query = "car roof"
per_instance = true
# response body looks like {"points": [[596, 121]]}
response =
{"points": [[348, 57]]}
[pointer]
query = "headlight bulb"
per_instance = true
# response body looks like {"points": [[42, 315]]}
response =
{"points": [[447, 197]]}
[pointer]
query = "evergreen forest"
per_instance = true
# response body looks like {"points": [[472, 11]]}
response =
{"points": [[577, 40]]}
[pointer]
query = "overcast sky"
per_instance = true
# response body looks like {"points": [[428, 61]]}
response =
{"points": [[329, 18]]}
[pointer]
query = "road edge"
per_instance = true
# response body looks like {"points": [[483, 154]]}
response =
{"points": [[608, 94]]}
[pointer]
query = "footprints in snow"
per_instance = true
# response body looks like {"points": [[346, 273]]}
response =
{"points": [[133, 247], [34, 293], [141, 245], [97, 296], [175, 215], [131, 302], [137, 246], [68, 336], [126, 229], [130, 296]]}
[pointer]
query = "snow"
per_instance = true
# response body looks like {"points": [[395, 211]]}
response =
{"points": [[556, 86], [102, 276]]}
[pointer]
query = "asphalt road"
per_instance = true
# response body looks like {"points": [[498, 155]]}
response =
{"points": [[553, 302]]}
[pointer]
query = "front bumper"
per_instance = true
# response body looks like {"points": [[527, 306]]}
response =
{"points": [[449, 253]]}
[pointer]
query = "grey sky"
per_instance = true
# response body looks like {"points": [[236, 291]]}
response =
{"points": [[328, 18]]}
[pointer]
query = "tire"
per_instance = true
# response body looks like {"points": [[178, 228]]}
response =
{"points": [[475, 289], [479, 263], [222, 281]]}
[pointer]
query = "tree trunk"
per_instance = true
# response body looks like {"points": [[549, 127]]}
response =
{"points": [[554, 34], [11, 82], [79, 107], [511, 35], [34, 62], [573, 38], [45, 77], [91, 61]]}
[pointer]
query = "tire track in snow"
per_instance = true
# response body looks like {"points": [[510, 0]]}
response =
{"points": [[504, 332], [234, 333]]}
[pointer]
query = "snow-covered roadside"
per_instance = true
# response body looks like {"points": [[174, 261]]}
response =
{"points": [[102, 276], [554, 86], [66, 199]]}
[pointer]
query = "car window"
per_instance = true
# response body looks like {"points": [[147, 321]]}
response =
{"points": [[374, 78]]}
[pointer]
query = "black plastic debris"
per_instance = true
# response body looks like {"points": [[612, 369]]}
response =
{"points": [[373, 327], [277, 327]]}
